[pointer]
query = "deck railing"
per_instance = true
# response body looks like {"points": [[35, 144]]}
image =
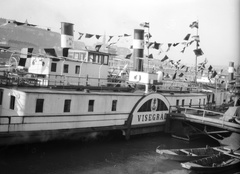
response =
{"points": [[199, 112], [12, 79]]}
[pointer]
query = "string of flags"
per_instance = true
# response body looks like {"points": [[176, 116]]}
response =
{"points": [[97, 36], [187, 41]]}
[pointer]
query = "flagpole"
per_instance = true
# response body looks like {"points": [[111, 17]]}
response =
{"points": [[148, 43], [195, 78]]}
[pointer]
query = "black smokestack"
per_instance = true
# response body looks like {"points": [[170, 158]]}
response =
{"points": [[66, 37]]}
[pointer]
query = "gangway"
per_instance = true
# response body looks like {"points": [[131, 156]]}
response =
{"points": [[206, 117]]}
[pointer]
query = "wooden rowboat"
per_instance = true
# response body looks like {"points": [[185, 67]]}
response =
{"points": [[213, 164], [183, 155]]}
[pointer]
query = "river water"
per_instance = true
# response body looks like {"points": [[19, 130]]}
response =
{"points": [[110, 154]]}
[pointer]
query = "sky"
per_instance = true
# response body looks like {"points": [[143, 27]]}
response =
{"points": [[219, 26]]}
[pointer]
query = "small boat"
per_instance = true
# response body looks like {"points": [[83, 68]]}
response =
{"points": [[237, 119], [213, 164], [183, 155]]}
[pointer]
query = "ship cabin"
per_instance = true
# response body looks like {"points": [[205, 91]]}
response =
{"points": [[81, 67]]}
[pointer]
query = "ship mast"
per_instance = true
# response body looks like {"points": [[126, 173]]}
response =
{"points": [[195, 77], [148, 37]]}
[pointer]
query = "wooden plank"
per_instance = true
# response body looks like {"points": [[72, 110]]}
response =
{"points": [[238, 157], [182, 150]]}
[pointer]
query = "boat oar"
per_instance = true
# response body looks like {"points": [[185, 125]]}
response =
{"points": [[238, 157]]}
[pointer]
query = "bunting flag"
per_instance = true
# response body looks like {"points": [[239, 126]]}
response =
{"points": [[214, 74], [110, 37], [186, 69], [182, 66], [187, 37], [175, 44], [97, 36], [150, 56], [80, 35], [157, 45], [210, 68], [165, 58], [110, 44], [128, 56], [97, 47], [180, 75], [198, 52], [194, 25], [88, 35], [169, 46], [150, 45], [196, 38], [183, 49], [145, 24], [126, 35], [190, 43], [148, 35], [174, 76]]}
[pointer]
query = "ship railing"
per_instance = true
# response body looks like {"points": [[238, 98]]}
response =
{"points": [[199, 112], [27, 79]]}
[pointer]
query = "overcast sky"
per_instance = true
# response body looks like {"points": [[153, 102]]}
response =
{"points": [[219, 26]]}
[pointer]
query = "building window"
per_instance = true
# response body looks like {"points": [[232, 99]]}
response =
{"points": [[67, 105], [39, 105], [114, 105], [1, 96], [90, 105], [199, 102], [204, 102], [77, 69], [12, 102], [65, 68], [53, 67], [183, 103]]}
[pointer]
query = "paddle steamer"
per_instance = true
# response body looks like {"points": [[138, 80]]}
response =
{"points": [[73, 95]]}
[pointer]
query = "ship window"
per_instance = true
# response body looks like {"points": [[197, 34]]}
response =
{"points": [[90, 57], [90, 105], [100, 60], [77, 69], [190, 103], [114, 105], [183, 103], [70, 54], [12, 102], [96, 58], [1, 96], [65, 68], [82, 55], [177, 102], [39, 105], [53, 67], [67, 105], [105, 60], [76, 56]]}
